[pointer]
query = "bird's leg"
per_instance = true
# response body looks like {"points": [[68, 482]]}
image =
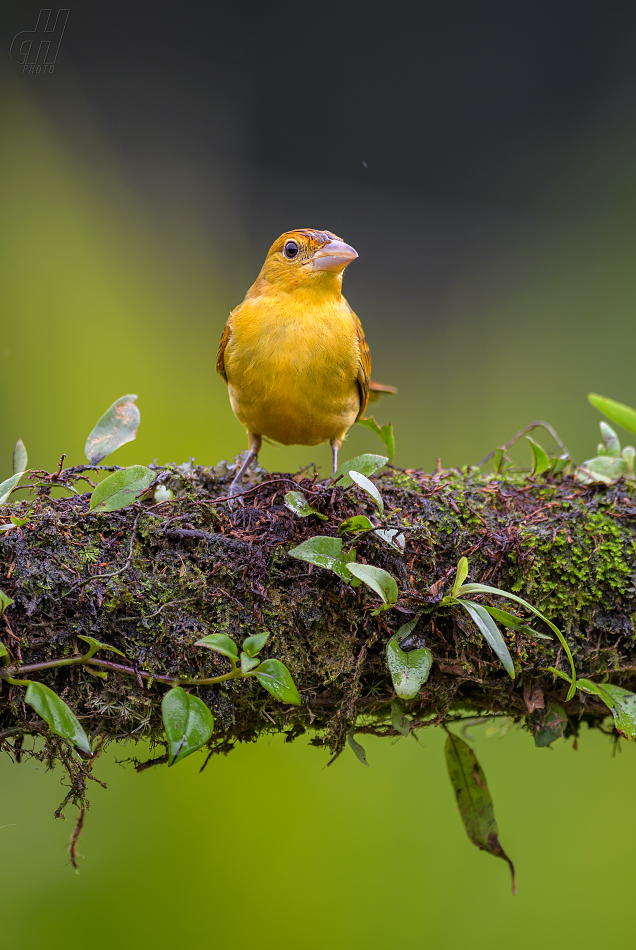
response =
{"points": [[335, 445], [254, 445]]}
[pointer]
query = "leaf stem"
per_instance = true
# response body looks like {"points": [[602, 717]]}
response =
{"points": [[235, 673]]}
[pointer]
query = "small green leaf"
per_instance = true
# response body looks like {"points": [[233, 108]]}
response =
{"points": [[121, 488], [188, 723], [629, 453], [20, 458], [5, 601], [248, 663], [116, 427], [95, 645], [554, 722], [540, 460], [559, 464], [355, 524], [3, 649], [296, 502], [367, 485], [620, 702], [603, 469], [60, 717], [611, 445], [461, 575], [7, 486], [409, 671], [515, 623], [407, 628], [615, 411], [498, 459], [364, 464], [254, 644], [358, 750], [393, 537], [220, 643], [276, 678], [474, 801], [378, 580], [385, 433], [19, 522], [398, 720], [323, 552], [490, 632]]}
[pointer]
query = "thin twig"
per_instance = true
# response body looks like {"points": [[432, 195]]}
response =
{"points": [[533, 425]]}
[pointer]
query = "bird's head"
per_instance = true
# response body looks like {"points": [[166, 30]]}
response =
{"points": [[307, 259]]}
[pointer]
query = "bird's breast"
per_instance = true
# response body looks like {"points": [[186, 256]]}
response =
{"points": [[292, 370]]}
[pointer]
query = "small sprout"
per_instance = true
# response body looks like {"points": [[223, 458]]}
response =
{"points": [[499, 457], [254, 644], [364, 464], [603, 469], [385, 433], [355, 524], [366, 485], [356, 748], [540, 460], [297, 502], [162, 493], [116, 427], [248, 663], [610, 444], [560, 464], [8, 486], [121, 488], [20, 458], [60, 717], [628, 453], [460, 576], [379, 581], [220, 643], [187, 721]]}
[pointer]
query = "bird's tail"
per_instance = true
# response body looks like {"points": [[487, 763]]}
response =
{"points": [[379, 389]]}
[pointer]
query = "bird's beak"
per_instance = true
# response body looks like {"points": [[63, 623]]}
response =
{"points": [[335, 255]]}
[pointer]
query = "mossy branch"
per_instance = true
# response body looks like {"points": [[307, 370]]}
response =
{"points": [[152, 579]]}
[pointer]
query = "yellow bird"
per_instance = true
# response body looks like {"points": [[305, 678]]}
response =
{"points": [[293, 354]]}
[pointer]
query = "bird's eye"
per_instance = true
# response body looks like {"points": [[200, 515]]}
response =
{"points": [[291, 250]]}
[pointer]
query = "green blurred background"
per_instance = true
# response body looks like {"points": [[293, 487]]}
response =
{"points": [[480, 158]]}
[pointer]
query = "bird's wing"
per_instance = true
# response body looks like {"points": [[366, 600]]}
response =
{"points": [[364, 366], [220, 356]]}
